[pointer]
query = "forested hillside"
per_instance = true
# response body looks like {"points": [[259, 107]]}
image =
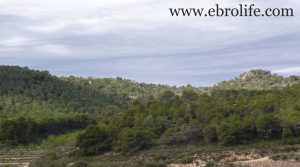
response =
{"points": [[34, 104], [227, 117], [122, 116], [44, 104], [124, 90]]}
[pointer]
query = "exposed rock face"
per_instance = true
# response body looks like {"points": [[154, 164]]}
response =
{"points": [[259, 79], [255, 74]]}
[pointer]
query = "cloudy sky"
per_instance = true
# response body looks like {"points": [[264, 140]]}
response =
{"points": [[138, 39]]}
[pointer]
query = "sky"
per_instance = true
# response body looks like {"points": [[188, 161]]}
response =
{"points": [[139, 40]]}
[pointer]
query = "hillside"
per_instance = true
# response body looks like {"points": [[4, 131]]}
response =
{"points": [[23, 88], [45, 104], [92, 117], [117, 88], [258, 80], [183, 129], [34, 104]]}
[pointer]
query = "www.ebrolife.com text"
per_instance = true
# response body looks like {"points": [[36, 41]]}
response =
{"points": [[242, 10]]}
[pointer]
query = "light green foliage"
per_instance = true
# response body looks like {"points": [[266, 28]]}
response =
{"points": [[59, 140]]}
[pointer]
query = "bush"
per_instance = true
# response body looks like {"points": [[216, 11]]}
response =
{"points": [[181, 135], [210, 134], [189, 95], [94, 140], [268, 126], [18, 131], [229, 140], [287, 135], [130, 140]]}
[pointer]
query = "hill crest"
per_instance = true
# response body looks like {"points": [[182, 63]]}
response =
{"points": [[259, 79]]}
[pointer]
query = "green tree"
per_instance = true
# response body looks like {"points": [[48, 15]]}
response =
{"points": [[189, 95], [130, 140], [210, 134], [94, 140], [167, 95]]}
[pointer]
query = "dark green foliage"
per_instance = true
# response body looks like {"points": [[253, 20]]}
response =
{"points": [[94, 140], [34, 104], [25, 130], [210, 133], [181, 135], [20, 130], [228, 117], [53, 105], [189, 95], [130, 140], [59, 104], [268, 126], [167, 96], [133, 116], [287, 135], [234, 130]]}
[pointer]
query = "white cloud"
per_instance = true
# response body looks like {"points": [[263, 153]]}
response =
{"points": [[50, 27], [142, 36], [53, 49], [15, 41], [289, 70]]}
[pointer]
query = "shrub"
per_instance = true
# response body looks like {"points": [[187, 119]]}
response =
{"points": [[210, 134], [287, 134], [94, 140], [130, 140]]}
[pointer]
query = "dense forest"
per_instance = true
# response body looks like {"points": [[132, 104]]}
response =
{"points": [[34, 104], [124, 116], [227, 117]]}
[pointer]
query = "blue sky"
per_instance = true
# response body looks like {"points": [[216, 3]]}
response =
{"points": [[139, 40]]}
